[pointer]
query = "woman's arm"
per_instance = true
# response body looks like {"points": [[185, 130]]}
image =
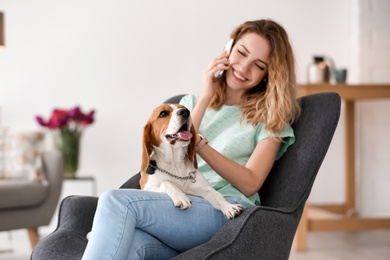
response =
{"points": [[249, 178]]}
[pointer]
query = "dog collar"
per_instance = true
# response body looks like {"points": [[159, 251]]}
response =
{"points": [[191, 175]]}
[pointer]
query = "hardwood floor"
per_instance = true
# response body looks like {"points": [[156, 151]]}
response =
{"points": [[372, 245]]}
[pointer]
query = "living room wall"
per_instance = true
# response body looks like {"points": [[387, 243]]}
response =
{"points": [[123, 58]]}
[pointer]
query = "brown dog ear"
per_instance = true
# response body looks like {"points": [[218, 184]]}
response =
{"points": [[146, 147], [191, 148]]}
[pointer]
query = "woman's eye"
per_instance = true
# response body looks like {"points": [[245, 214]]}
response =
{"points": [[241, 53], [163, 113], [260, 67]]}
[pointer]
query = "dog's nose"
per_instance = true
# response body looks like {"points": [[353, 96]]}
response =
{"points": [[184, 112]]}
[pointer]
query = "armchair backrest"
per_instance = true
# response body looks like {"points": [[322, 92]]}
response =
{"points": [[174, 99], [292, 176]]}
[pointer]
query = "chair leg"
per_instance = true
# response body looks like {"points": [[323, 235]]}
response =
{"points": [[33, 235], [301, 234]]}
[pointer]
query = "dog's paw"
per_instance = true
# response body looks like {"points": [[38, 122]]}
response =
{"points": [[232, 210], [181, 201]]}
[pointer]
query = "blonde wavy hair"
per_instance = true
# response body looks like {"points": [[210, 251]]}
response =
{"points": [[273, 101]]}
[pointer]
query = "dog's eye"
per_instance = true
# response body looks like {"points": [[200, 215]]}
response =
{"points": [[163, 113]]}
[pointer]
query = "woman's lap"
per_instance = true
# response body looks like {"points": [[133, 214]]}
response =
{"points": [[121, 212]]}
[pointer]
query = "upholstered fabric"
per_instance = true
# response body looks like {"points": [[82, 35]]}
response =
{"points": [[260, 232], [69, 240], [32, 204], [22, 193]]}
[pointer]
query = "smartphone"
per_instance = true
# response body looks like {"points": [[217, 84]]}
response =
{"points": [[228, 48]]}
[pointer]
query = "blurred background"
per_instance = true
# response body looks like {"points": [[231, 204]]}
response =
{"points": [[123, 58]]}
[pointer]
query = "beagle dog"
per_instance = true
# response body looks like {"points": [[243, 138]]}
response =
{"points": [[169, 160]]}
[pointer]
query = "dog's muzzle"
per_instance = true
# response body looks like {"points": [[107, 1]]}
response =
{"points": [[183, 134]]}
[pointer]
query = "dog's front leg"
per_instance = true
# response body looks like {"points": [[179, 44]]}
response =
{"points": [[216, 200], [203, 189], [179, 198]]}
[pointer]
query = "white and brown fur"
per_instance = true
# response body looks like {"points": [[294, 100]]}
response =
{"points": [[162, 144]]}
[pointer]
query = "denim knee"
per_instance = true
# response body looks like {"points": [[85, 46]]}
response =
{"points": [[109, 195]]}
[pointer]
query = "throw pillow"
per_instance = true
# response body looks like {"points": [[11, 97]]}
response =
{"points": [[20, 154]]}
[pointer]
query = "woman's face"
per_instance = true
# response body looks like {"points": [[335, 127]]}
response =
{"points": [[248, 62]]}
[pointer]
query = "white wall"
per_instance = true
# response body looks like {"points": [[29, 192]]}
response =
{"points": [[373, 116], [123, 58]]}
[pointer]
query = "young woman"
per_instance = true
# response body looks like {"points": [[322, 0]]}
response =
{"points": [[245, 116]]}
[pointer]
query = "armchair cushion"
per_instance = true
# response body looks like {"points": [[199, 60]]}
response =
{"points": [[20, 193]]}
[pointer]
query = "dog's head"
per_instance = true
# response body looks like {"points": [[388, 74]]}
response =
{"points": [[171, 124]]}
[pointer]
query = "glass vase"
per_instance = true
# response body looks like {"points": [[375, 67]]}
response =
{"points": [[68, 143]]}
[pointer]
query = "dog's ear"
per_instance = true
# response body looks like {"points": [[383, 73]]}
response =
{"points": [[191, 148], [146, 147]]}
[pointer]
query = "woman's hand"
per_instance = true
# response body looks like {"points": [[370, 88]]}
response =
{"points": [[209, 86], [209, 83]]}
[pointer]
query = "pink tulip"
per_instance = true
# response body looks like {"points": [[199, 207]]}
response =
{"points": [[63, 119]]}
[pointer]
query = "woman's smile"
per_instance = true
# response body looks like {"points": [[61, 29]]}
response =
{"points": [[238, 76]]}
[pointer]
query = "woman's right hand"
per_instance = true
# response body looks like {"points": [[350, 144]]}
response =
{"points": [[209, 83]]}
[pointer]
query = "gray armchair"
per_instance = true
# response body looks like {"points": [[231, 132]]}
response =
{"points": [[31, 204], [260, 232]]}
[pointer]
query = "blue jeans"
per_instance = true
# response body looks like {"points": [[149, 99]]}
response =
{"points": [[137, 224]]}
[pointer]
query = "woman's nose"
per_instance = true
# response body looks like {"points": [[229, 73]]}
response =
{"points": [[244, 66]]}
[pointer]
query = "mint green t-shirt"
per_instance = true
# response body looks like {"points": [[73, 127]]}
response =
{"points": [[233, 138]]}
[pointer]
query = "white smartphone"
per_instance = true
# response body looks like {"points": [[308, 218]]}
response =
{"points": [[228, 49]]}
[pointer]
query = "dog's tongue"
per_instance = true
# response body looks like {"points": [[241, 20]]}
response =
{"points": [[184, 135]]}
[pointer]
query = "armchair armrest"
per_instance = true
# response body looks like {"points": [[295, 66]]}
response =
{"points": [[69, 240], [76, 214], [258, 231]]}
